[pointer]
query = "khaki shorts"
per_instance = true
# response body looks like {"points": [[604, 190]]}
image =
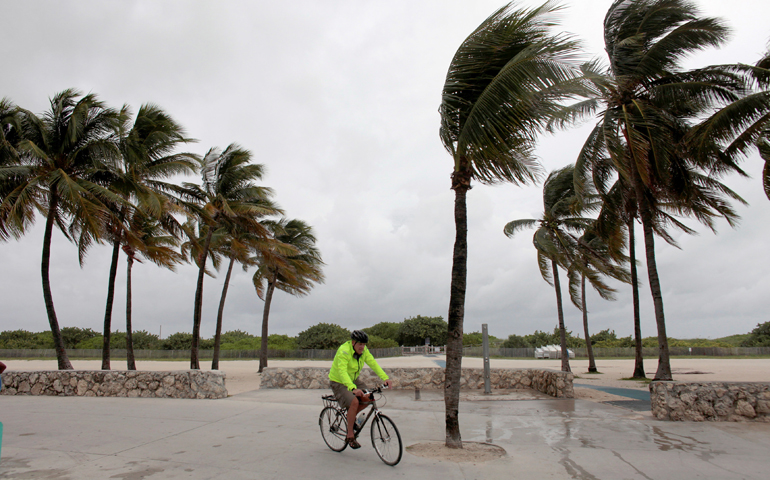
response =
{"points": [[344, 396]]}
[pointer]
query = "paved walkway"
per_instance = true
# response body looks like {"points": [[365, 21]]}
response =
{"points": [[268, 434]]}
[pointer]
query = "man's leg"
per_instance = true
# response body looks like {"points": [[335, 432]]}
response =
{"points": [[353, 409]]}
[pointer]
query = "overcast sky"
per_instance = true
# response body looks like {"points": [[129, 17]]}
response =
{"points": [[339, 99]]}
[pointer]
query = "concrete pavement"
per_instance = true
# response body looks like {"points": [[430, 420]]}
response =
{"points": [[266, 434]]}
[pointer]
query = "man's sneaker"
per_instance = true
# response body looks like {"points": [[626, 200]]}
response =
{"points": [[353, 443]]}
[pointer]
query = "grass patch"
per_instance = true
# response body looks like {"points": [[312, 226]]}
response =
{"points": [[646, 381]]}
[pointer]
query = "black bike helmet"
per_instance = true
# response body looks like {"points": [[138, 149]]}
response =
{"points": [[359, 336]]}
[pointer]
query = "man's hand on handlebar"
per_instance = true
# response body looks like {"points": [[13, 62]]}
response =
{"points": [[389, 383]]}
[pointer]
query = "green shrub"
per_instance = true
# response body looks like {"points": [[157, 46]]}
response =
{"points": [[759, 337], [71, 336], [22, 339], [385, 330], [281, 342], [183, 341], [379, 342], [414, 331], [323, 336], [515, 341], [234, 335]]}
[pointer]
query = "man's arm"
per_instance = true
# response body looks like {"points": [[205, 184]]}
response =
{"points": [[369, 359]]}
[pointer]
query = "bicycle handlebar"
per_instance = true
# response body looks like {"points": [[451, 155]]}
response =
{"points": [[370, 393]]}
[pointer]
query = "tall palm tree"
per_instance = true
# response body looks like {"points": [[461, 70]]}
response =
{"points": [[146, 236], [505, 81], [60, 154], [148, 158], [290, 263], [556, 240], [227, 197], [646, 126]]}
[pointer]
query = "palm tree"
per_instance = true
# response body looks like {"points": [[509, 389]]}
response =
{"points": [[291, 263], [145, 236], [236, 246], [618, 213], [646, 128], [148, 158], [505, 81], [556, 241], [228, 197], [593, 255], [59, 156]]}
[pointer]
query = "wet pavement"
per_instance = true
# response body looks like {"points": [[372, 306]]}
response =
{"points": [[274, 433]]}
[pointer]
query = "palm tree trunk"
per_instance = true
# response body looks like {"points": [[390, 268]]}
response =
{"points": [[108, 308], [664, 361], [562, 330], [196, 333], [639, 359], [461, 180], [589, 348], [218, 335], [61, 353], [265, 315], [130, 361]]}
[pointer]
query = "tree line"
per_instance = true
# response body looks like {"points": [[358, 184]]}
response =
{"points": [[324, 336], [103, 176]]}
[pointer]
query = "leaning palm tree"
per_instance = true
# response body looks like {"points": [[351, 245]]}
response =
{"points": [[556, 240], [148, 158], [147, 237], [505, 81], [289, 262], [228, 197], [60, 154], [646, 127]]}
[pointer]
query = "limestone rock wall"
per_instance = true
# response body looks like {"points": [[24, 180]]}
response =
{"points": [[117, 383], [556, 384], [711, 401]]}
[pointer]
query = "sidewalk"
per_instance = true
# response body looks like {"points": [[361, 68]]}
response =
{"points": [[269, 434]]}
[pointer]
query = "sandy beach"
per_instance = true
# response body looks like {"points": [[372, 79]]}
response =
{"points": [[242, 375]]}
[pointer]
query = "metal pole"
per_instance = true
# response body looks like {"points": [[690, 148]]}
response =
{"points": [[485, 343]]}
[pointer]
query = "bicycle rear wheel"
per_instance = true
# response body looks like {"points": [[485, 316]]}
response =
{"points": [[386, 440], [334, 428]]}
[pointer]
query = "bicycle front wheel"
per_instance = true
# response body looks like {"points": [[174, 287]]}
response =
{"points": [[334, 428], [386, 440]]}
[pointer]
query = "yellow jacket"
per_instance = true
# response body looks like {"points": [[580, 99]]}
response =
{"points": [[345, 368]]}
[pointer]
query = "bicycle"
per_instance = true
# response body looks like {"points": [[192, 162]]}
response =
{"points": [[385, 437]]}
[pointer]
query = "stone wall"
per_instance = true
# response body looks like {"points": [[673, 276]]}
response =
{"points": [[117, 383], [556, 384], [711, 401]]}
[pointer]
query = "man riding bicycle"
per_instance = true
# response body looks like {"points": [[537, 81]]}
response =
{"points": [[343, 376]]}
